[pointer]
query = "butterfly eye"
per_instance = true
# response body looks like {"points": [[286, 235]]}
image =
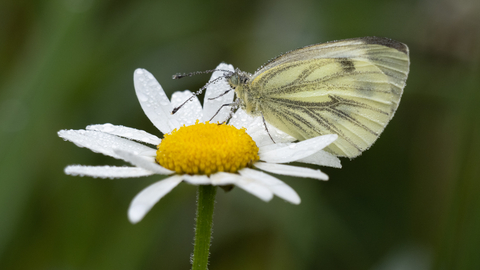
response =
{"points": [[233, 80]]}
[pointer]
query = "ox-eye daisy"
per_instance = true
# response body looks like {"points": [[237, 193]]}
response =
{"points": [[198, 150]]}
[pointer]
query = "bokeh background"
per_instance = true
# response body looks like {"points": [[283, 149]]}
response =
{"points": [[410, 202]]}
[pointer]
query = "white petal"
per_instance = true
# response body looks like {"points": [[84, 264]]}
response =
{"points": [[127, 132], [241, 119], [291, 170], [147, 198], [154, 102], [190, 111], [272, 147], [223, 178], [296, 151], [278, 187], [197, 179], [147, 163], [104, 143], [322, 158], [214, 90], [106, 171], [246, 183], [256, 129]]}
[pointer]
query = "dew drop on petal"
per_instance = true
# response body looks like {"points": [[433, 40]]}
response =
{"points": [[142, 97], [107, 128]]}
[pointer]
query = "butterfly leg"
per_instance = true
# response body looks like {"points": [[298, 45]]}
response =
{"points": [[221, 95], [221, 107], [266, 128]]}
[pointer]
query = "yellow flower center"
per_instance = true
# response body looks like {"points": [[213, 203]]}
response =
{"points": [[207, 148]]}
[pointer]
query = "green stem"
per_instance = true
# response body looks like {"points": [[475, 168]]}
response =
{"points": [[203, 230]]}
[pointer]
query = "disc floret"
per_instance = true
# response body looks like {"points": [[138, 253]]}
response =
{"points": [[207, 148]]}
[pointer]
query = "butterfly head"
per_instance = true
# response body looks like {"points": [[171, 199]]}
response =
{"points": [[237, 78]]}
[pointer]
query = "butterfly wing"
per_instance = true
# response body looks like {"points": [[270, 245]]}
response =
{"points": [[350, 87]]}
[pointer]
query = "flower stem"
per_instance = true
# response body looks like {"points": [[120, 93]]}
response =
{"points": [[203, 230]]}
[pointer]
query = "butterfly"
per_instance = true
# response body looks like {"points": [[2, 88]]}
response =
{"points": [[348, 87]]}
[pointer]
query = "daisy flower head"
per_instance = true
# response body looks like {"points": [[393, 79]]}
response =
{"points": [[197, 149]]}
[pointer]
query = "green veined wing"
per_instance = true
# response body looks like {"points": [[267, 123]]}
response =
{"points": [[349, 87]]}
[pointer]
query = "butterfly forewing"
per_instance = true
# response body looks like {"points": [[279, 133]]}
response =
{"points": [[351, 88]]}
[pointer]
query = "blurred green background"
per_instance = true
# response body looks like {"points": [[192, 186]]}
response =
{"points": [[411, 202]]}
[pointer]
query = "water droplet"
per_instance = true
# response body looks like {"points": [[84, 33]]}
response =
{"points": [[142, 97], [107, 128]]}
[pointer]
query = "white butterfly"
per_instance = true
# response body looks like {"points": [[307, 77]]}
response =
{"points": [[349, 87]]}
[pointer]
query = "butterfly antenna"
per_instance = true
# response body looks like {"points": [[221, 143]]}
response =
{"points": [[221, 95], [183, 75], [199, 90], [185, 102]]}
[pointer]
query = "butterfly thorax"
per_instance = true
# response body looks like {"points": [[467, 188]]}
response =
{"points": [[240, 82]]}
